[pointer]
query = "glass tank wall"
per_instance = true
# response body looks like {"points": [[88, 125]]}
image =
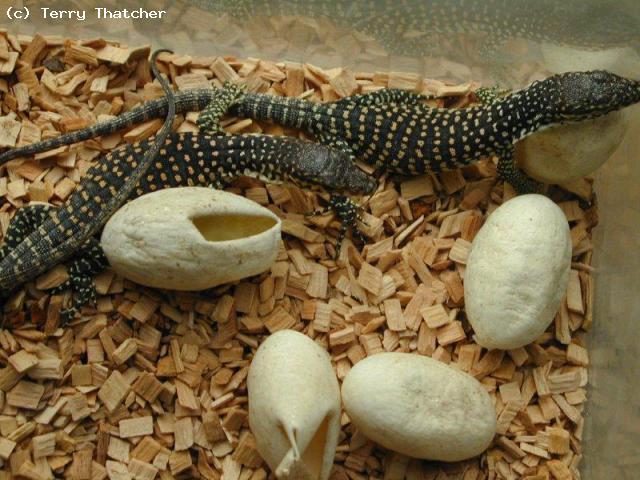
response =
{"points": [[508, 41]]}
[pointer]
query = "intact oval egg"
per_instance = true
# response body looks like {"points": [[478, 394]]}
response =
{"points": [[419, 407], [517, 272]]}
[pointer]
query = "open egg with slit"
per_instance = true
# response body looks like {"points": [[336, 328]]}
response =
{"points": [[294, 406], [191, 238]]}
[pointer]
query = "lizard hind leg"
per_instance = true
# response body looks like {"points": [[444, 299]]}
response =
{"points": [[209, 118], [89, 261], [25, 221], [490, 95]]}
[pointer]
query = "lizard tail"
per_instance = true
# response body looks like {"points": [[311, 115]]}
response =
{"points": [[117, 200], [98, 129]]}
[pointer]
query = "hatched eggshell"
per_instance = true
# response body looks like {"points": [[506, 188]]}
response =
{"points": [[419, 407], [517, 272], [294, 406], [190, 238], [568, 152]]}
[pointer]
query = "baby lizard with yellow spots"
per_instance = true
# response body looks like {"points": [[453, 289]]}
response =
{"points": [[411, 138], [394, 130], [184, 159]]}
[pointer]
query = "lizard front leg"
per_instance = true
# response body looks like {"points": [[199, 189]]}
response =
{"points": [[209, 118], [346, 210], [509, 171], [490, 95], [348, 213]]}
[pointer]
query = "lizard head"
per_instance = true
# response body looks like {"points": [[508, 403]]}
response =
{"points": [[584, 95], [332, 168]]}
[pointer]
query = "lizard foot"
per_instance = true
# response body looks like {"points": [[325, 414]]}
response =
{"points": [[89, 261], [490, 95], [347, 213], [209, 119], [84, 293], [509, 171]]}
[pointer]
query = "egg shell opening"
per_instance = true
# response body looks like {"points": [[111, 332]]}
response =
{"points": [[155, 240]]}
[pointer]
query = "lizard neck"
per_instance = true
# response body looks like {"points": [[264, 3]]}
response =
{"points": [[517, 116], [288, 112]]}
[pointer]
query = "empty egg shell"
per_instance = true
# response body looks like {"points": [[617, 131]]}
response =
{"points": [[191, 238], [294, 406]]}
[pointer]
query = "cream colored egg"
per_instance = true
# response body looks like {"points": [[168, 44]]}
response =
{"points": [[517, 272], [419, 407], [294, 406], [622, 61], [568, 152], [191, 238]]}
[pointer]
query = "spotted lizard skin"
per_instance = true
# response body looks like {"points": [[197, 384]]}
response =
{"points": [[185, 101], [411, 138], [184, 159], [395, 131]]}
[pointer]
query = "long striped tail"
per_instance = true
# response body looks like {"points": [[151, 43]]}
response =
{"points": [[184, 102]]}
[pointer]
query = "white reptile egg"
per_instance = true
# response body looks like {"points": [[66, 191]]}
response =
{"points": [[517, 272], [294, 406], [419, 407], [191, 238], [568, 152], [563, 58]]}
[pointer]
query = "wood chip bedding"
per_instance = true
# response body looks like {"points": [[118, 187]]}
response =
{"points": [[152, 384]]}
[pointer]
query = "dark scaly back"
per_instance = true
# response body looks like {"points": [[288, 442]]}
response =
{"points": [[87, 209], [186, 159], [201, 159], [414, 138], [407, 139]]}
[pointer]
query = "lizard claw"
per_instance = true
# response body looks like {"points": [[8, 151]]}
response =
{"points": [[348, 213], [317, 213]]}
